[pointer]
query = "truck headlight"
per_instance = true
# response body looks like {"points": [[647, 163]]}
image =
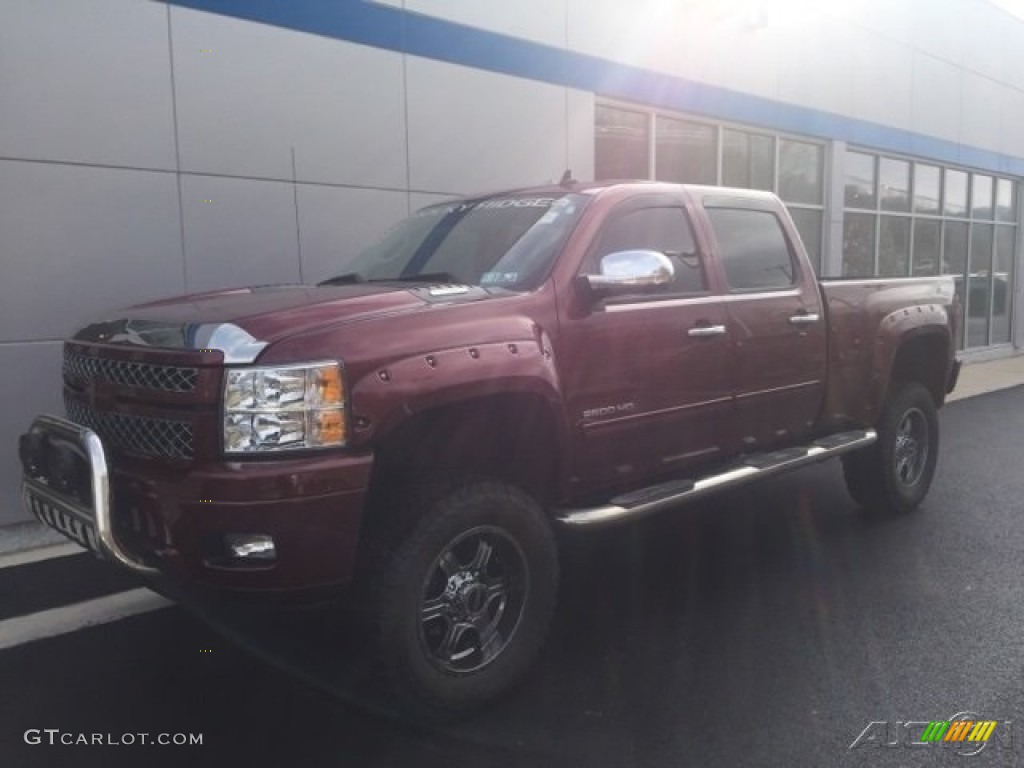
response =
{"points": [[284, 407]]}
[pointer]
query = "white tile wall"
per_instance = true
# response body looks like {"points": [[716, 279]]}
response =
{"points": [[980, 107], [1011, 124], [30, 385], [238, 232], [933, 112], [248, 93], [86, 82], [471, 131], [883, 82], [75, 241], [336, 223]]}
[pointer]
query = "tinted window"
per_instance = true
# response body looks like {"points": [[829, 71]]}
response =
{"points": [[665, 230], [753, 249]]}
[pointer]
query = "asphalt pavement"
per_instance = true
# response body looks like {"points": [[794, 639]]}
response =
{"points": [[768, 627]]}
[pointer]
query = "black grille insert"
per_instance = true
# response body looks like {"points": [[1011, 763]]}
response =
{"points": [[135, 434], [163, 378]]}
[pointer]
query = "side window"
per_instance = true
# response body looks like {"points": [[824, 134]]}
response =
{"points": [[666, 230], [753, 249]]}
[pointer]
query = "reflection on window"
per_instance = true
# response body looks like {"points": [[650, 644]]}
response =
{"points": [[748, 160], [686, 152], [894, 246], [927, 186], [927, 246], [800, 171], [956, 193], [981, 196], [894, 181], [1002, 285], [620, 144], [859, 245], [954, 258], [860, 180], [979, 288], [753, 249], [1006, 204], [808, 224]]}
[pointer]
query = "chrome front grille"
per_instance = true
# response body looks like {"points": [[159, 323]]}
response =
{"points": [[141, 435], [163, 378]]}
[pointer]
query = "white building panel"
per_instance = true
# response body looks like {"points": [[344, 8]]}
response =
{"points": [[939, 27], [883, 82], [81, 240], [818, 71], [238, 232], [248, 93], [979, 116], [336, 223], [471, 130], [1011, 124], [30, 385], [935, 105], [86, 82]]}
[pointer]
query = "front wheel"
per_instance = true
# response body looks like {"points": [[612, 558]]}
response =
{"points": [[466, 599], [894, 474]]}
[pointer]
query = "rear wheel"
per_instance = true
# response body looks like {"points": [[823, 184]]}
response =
{"points": [[466, 598], [894, 474]]}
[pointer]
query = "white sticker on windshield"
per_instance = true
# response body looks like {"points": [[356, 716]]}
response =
{"points": [[499, 278]]}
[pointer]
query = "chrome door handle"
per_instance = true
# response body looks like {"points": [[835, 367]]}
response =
{"points": [[803, 319], [701, 331]]}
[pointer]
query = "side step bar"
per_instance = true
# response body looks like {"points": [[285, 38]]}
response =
{"points": [[640, 503]]}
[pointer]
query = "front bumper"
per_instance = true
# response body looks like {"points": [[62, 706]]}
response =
{"points": [[159, 520]]}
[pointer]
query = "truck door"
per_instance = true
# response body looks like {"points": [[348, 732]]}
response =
{"points": [[776, 322], [648, 380]]}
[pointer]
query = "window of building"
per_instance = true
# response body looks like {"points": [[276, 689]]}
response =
{"points": [[693, 151], [903, 217], [753, 249], [748, 160], [686, 152], [621, 144]]}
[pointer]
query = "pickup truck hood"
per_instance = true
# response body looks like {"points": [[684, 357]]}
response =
{"points": [[241, 322]]}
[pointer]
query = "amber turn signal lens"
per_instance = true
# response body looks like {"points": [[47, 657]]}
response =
{"points": [[329, 427], [328, 386]]}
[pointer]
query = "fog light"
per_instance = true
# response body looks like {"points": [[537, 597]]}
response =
{"points": [[250, 546]]}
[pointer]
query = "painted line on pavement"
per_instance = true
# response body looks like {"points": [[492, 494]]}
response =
{"points": [[71, 618], [39, 554]]}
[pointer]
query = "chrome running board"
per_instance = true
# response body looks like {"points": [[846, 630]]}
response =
{"points": [[749, 468]]}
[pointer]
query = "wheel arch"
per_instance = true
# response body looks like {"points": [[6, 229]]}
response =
{"points": [[920, 354]]}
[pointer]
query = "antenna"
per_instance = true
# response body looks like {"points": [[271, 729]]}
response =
{"points": [[567, 179]]}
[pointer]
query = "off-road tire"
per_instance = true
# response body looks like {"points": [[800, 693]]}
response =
{"points": [[894, 475], [478, 567]]}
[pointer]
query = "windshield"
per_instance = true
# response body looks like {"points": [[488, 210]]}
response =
{"points": [[505, 241]]}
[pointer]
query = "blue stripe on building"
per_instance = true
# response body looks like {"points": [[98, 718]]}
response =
{"points": [[386, 27]]}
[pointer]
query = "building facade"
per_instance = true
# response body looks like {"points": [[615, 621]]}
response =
{"points": [[149, 149]]}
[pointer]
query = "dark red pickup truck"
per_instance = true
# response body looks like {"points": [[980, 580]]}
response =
{"points": [[496, 367]]}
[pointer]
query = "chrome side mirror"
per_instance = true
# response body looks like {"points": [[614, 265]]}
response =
{"points": [[624, 270]]}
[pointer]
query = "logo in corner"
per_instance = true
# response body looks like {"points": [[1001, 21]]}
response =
{"points": [[966, 734]]}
